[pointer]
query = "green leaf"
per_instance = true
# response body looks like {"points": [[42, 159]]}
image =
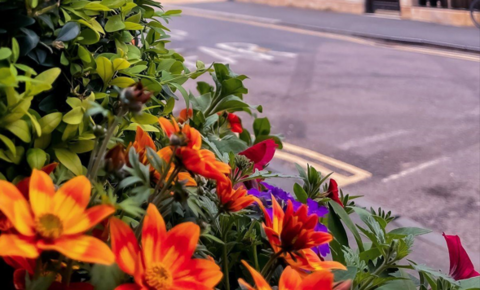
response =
{"points": [[44, 81], [49, 122], [145, 118], [15, 50], [405, 283], [213, 238], [104, 69], [114, 23], [20, 129], [470, 284], [122, 82], [69, 160], [348, 222], [5, 53], [133, 26], [261, 126], [69, 31], [74, 117], [96, 6], [84, 54], [106, 277], [349, 274], [120, 63], [403, 232], [113, 4], [82, 146], [300, 193], [10, 145], [36, 158]]}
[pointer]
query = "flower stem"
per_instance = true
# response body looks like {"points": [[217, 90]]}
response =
{"points": [[68, 272], [270, 266], [225, 265], [255, 257]]}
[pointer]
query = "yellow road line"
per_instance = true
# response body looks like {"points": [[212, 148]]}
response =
{"points": [[293, 154], [409, 48]]}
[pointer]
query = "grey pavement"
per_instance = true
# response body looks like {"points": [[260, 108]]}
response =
{"points": [[367, 25], [411, 119]]}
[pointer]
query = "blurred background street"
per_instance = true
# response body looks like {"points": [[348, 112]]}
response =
{"points": [[398, 100]]}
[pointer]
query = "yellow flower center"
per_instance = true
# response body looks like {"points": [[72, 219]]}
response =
{"points": [[158, 277], [49, 226]]}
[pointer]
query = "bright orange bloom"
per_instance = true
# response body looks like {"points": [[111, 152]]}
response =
{"points": [[196, 160], [142, 141], [22, 185], [293, 234], [233, 200], [53, 221], [165, 259], [185, 115], [291, 280]]}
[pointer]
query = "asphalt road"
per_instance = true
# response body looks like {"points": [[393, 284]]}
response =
{"points": [[410, 119]]}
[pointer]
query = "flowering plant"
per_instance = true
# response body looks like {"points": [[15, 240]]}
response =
{"points": [[102, 186]]}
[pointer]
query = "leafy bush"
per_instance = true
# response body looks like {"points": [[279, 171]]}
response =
{"points": [[93, 161]]}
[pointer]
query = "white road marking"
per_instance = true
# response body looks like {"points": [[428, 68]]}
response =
{"points": [[371, 139], [414, 169]]}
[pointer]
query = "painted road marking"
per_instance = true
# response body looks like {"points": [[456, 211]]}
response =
{"points": [[324, 164], [371, 139], [272, 24], [414, 169]]}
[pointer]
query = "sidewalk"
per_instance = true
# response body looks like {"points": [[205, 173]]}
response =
{"points": [[365, 26]]}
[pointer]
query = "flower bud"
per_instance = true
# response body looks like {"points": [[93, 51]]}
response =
{"points": [[134, 97], [99, 131], [115, 159]]}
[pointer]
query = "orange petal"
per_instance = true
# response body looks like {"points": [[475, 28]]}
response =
{"points": [[278, 216], [16, 208], [188, 284], [165, 153], [143, 140], [124, 245], [153, 234], [203, 271], [320, 280], [87, 220], [289, 280], [14, 245], [72, 198], [257, 278], [169, 126], [179, 245], [185, 176], [41, 192], [82, 248]]}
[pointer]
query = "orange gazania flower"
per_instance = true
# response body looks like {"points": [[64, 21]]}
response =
{"points": [[142, 141], [53, 220], [291, 280], [233, 200], [292, 234], [196, 160], [165, 259], [185, 115]]}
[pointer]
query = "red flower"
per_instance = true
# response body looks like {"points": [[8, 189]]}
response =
{"points": [[461, 267], [235, 123], [185, 115], [333, 192], [261, 153]]}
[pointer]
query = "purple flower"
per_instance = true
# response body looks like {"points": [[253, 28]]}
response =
{"points": [[283, 197]]}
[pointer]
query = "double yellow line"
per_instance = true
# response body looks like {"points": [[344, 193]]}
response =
{"points": [[324, 164]]}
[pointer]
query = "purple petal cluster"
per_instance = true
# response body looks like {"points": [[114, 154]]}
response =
{"points": [[282, 198]]}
